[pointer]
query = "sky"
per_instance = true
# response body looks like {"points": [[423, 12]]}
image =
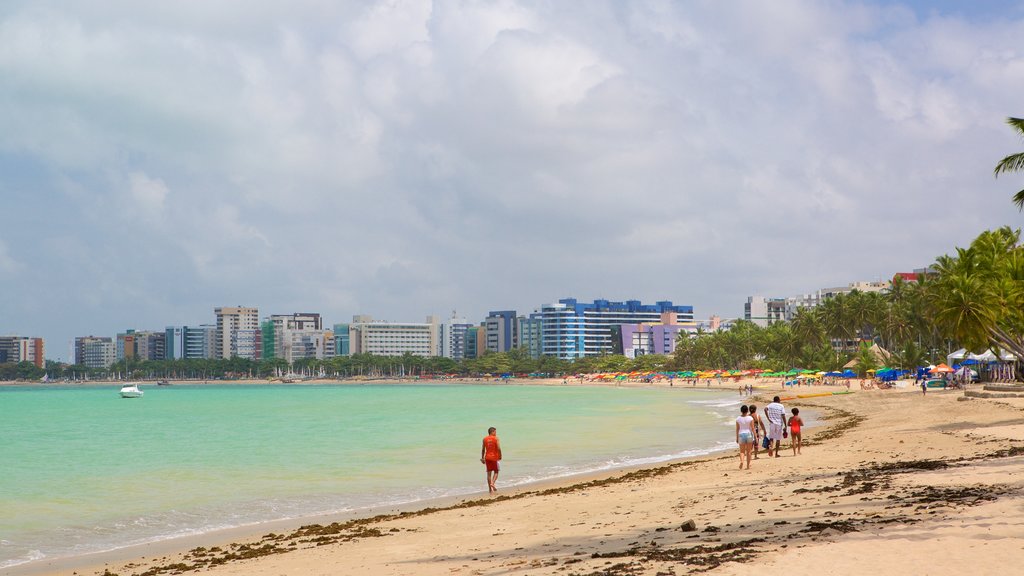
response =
{"points": [[408, 158]]}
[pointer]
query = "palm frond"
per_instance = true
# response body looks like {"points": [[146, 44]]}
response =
{"points": [[1018, 199], [1017, 124], [1012, 163]]}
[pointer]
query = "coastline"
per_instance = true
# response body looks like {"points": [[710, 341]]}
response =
{"points": [[806, 504]]}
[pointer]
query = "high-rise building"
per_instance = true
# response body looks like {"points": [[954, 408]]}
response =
{"points": [[764, 311], [632, 340], [174, 345], [342, 341], [453, 337], [502, 330], [16, 349], [199, 341], [531, 334], [238, 332], [293, 336], [395, 338], [475, 337], [94, 351], [573, 329]]}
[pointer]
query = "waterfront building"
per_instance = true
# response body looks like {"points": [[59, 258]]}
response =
{"points": [[632, 340], [82, 356], [16, 349], [199, 341], [328, 344], [531, 334], [125, 345], [501, 327], [764, 311], [475, 338], [453, 337], [174, 346], [232, 320], [379, 338], [572, 329], [144, 345], [245, 343], [342, 340], [293, 336], [150, 345]]}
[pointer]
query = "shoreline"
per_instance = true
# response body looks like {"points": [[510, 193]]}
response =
{"points": [[861, 481], [220, 536]]}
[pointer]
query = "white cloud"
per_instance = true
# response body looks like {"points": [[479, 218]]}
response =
{"points": [[404, 158]]}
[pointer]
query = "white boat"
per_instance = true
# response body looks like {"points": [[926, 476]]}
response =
{"points": [[131, 390]]}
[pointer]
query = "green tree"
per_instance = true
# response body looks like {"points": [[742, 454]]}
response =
{"points": [[1014, 162]]}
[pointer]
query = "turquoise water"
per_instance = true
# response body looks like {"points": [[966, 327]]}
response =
{"points": [[84, 470]]}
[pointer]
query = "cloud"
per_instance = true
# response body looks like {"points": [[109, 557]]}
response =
{"points": [[406, 158]]}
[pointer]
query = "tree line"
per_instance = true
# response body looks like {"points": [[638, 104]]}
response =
{"points": [[973, 298]]}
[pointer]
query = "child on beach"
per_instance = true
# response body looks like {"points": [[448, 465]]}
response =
{"points": [[745, 435], [759, 429], [794, 430]]}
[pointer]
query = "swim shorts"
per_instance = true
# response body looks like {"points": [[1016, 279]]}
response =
{"points": [[775, 431], [492, 465]]}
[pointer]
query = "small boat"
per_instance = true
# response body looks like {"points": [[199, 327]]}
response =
{"points": [[131, 390], [163, 383]]}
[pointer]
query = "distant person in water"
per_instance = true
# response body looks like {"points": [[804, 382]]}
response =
{"points": [[490, 455]]}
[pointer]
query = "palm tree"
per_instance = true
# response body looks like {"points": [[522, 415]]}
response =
{"points": [[1014, 162]]}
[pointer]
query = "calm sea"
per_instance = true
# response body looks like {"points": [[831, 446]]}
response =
{"points": [[82, 470]]}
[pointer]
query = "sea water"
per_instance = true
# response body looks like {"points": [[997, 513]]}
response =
{"points": [[83, 470]]}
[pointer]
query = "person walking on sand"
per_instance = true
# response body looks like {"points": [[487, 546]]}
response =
{"points": [[795, 423], [776, 414], [745, 435], [759, 430], [490, 455]]}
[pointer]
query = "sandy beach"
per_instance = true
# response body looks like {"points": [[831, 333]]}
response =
{"points": [[895, 482]]}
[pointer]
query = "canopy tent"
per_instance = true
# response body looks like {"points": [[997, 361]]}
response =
{"points": [[956, 356]]}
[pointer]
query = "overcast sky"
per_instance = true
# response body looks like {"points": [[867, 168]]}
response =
{"points": [[406, 158]]}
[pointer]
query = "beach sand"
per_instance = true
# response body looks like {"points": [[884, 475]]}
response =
{"points": [[894, 483]]}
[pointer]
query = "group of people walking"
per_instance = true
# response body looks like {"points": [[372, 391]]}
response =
{"points": [[752, 434]]}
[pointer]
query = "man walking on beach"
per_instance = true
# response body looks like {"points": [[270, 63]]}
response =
{"points": [[776, 414], [490, 455]]}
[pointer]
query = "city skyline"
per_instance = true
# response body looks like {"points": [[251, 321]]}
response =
{"points": [[405, 159]]}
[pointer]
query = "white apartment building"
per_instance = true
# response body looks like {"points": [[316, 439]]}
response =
{"points": [[295, 336], [380, 338], [230, 322]]}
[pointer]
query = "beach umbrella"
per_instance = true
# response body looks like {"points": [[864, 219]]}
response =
{"points": [[941, 369]]}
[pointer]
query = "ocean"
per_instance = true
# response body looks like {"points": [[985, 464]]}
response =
{"points": [[82, 470]]}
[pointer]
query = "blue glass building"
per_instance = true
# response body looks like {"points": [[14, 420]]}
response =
{"points": [[573, 329]]}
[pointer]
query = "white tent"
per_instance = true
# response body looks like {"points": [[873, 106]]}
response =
{"points": [[1007, 357], [986, 356], [956, 356]]}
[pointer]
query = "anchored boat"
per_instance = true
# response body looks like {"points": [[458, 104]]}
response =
{"points": [[131, 390]]}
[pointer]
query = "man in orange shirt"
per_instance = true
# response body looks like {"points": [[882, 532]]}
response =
{"points": [[490, 454]]}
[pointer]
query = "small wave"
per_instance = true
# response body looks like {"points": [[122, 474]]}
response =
{"points": [[30, 556], [719, 403]]}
